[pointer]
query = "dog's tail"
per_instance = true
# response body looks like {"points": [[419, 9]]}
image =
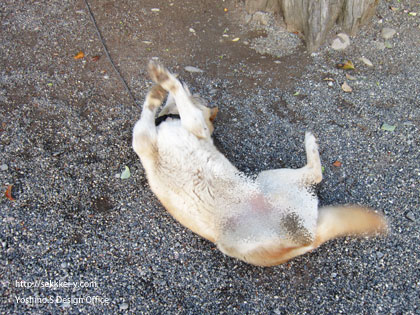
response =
{"points": [[336, 221]]}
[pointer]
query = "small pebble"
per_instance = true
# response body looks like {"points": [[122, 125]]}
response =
{"points": [[388, 32], [410, 215], [123, 306], [193, 69], [4, 167], [341, 42], [379, 255]]}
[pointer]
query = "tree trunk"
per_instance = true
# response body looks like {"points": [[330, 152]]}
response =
{"points": [[315, 18]]}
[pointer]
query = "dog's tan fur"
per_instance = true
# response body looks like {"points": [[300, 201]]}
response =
{"points": [[265, 221]]}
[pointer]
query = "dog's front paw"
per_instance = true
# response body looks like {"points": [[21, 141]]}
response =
{"points": [[155, 97]]}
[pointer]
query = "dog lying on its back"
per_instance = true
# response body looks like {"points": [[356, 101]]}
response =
{"points": [[265, 221]]}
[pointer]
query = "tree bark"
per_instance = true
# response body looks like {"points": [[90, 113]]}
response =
{"points": [[315, 18]]}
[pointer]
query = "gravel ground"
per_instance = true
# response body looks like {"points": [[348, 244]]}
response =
{"points": [[79, 239]]}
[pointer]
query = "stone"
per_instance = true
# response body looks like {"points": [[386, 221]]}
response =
{"points": [[410, 215], [123, 306], [341, 42], [387, 32]]}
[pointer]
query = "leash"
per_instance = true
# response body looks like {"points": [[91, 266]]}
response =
{"points": [[92, 18]]}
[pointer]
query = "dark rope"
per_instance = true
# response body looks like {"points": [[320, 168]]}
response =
{"points": [[107, 53]]}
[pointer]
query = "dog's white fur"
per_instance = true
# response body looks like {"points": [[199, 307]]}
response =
{"points": [[265, 221]]}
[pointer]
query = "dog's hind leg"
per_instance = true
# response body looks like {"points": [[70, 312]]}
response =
{"points": [[278, 180], [192, 116], [312, 171], [144, 133]]}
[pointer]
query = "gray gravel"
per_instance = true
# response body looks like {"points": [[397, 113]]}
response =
{"points": [[65, 134]]}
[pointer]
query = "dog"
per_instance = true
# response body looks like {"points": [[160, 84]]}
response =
{"points": [[263, 221]]}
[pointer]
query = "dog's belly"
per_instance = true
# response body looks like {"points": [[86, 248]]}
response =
{"points": [[190, 177], [207, 194]]}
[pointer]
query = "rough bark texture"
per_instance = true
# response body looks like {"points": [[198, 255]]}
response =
{"points": [[314, 18], [356, 13]]}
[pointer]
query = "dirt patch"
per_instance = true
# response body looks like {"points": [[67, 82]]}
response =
{"points": [[193, 33]]}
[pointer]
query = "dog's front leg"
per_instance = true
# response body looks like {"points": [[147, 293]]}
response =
{"points": [[144, 133]]}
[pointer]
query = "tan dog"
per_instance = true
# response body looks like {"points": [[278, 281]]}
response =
{"points": [[265, 221]]}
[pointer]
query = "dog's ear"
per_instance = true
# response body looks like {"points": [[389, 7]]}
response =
{"points": [[213, 113]]}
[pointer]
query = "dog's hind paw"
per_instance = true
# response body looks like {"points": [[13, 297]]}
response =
{"points": [[310, 142], [159, 74]]}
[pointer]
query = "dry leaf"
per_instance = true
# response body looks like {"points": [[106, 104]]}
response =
{"points": [[348, 65], [96, 58], [193, 69], [328, 79], [387, 127], [366, 61], [79, 55], [350, 77], [126, 173], [235, 39], [337, 164], [8, 193], [346, 88], [388, 44]]}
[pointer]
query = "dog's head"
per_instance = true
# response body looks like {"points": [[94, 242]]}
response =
{"points": [[208, 112]]}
